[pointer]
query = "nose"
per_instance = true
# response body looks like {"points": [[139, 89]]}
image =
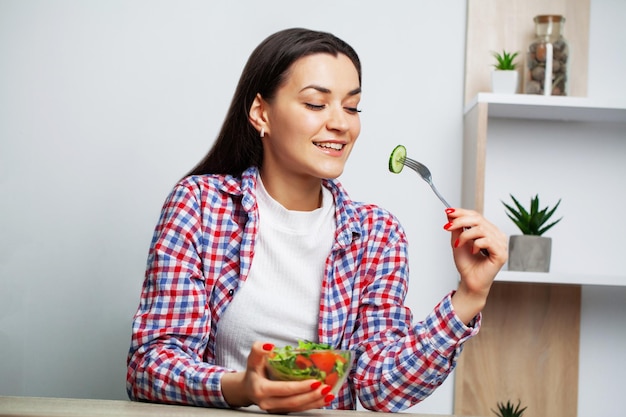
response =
{"points": [[338, 119]]}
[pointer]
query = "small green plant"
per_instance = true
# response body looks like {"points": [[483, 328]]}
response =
{"points": [[508, 410], [505, 60], [532, 221]]}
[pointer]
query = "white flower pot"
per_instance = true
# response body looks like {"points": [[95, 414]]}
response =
{"points": [[504, 81]]}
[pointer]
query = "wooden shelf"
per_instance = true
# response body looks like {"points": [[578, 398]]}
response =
{"points": [[562, 278], [558, 108]]}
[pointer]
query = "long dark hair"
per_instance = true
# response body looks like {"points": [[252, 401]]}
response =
{"points": [[238, 146]]}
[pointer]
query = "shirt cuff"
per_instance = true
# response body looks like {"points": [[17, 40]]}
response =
{"points": [[446, 330]]}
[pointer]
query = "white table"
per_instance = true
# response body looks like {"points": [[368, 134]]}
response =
{"points": [[71, 407]]}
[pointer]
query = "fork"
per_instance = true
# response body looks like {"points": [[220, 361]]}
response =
{"points": [[424, 172]]}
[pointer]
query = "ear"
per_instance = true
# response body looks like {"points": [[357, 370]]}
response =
{"points": [[258, 114]]}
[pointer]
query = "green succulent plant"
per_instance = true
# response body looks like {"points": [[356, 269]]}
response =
{"points": [[532, 221], [508, 410], [505, 60]]}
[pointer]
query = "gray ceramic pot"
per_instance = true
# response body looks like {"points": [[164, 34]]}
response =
{"points": [[529, 253]]}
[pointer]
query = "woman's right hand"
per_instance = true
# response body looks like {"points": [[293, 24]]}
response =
{"points": [[242, 389]]}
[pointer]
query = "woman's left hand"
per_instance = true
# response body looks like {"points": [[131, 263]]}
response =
{"points": [[471, 233]]}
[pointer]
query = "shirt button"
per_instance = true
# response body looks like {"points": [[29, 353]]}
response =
{"points": [[231, 292]]}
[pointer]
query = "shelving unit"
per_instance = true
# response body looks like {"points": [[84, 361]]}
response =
{"points": [[531, 330], [545, 337]]}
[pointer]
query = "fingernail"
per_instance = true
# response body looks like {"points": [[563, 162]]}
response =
{"points": [[456, 243], [449, 210], [326, 389], [268, 347], [329, 398], [316, 384], [448, 225]]}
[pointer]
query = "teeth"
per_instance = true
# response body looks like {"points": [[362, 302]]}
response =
{"points": [[336, 146]]}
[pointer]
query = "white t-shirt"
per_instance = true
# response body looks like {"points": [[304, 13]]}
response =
{"points": [[279, 301]]}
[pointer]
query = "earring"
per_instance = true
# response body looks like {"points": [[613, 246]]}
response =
{"points": [[262, 134]]}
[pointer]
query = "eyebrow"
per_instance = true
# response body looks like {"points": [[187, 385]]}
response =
{"points": [[327, 91]]}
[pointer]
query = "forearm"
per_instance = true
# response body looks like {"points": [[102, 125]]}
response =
{"points": [[423, 358], [163, 375]]}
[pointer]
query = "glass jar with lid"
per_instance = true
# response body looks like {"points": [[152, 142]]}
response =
{"points": [[547, 58]]}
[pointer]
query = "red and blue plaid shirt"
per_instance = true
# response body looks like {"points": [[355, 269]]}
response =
{"points": [[202, 250]]}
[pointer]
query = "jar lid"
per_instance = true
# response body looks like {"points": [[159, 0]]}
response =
{"points": [[547, 18]]}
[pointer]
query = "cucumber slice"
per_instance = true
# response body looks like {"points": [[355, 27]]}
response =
{"points": [[395, 160]]}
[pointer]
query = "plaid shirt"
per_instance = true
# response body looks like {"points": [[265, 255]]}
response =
{"points": [[202, 250]]}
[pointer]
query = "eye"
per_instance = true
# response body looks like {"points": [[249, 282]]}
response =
{"points": [[352, 110], [315, 106]]}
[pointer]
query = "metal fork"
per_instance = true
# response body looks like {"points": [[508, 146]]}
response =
{"points": [[424, 172]]}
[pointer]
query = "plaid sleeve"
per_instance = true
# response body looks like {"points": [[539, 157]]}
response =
{"points": [[401, 363], [171, 326]]}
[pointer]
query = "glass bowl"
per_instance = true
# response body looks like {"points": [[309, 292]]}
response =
{"points": [[329, 366]]}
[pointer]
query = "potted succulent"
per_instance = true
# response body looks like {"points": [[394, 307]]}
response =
{"points": [[504, 78], [508, 410], [530, 251]]}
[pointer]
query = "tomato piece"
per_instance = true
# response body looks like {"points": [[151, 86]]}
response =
{"points": [[331, 379], [302, 362], [325, 361]]}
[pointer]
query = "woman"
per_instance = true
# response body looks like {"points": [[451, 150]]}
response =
{"points": [[259, 246]]}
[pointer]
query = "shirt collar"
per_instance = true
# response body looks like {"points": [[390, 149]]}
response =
{"points": [[348, 224]]}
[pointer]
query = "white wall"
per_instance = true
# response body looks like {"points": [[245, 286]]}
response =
{"points": [[603, 310], [104, 104]]}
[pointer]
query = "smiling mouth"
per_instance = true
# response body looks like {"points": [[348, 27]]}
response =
{"points": [[327, 145]]}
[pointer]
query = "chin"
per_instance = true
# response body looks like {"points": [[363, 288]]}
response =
{"points": [[331, 175]]}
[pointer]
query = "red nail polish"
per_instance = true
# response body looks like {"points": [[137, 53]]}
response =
{"points": [[329, 398], [268, 347], [326, 389], [456, 243], [316, 385], [448, 225], [449, 210]]}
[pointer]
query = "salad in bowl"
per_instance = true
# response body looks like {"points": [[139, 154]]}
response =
{"points": [[310, 360]]}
